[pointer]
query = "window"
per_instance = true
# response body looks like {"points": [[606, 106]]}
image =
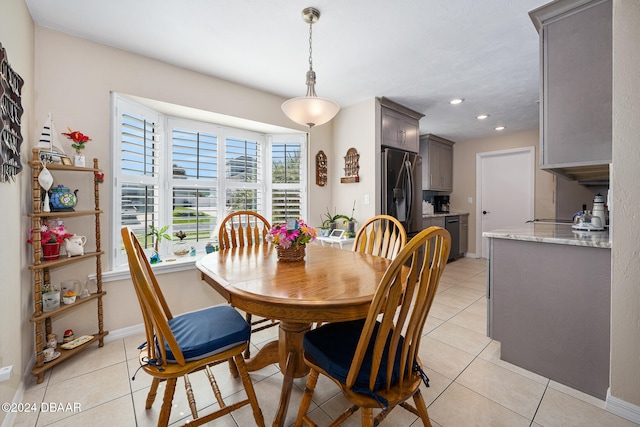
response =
{"points": [[190, 174]]}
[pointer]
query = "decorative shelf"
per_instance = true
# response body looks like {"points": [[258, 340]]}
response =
{"points": [[351, 167]]}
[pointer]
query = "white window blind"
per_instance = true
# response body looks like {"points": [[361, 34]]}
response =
{"points": [[243, 175], [140, 173], [194, 167]]}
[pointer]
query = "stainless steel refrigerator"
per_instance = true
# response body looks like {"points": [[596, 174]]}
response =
{"points": [[402, 188]]}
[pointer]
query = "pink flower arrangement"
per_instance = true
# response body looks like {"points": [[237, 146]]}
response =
{"points": [[297, 234], [51, 235]]}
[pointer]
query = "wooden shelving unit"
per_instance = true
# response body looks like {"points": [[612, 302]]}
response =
{"points": [[42, 270]]}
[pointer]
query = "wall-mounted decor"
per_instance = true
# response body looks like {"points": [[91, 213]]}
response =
{"points": [[10, 116], [321, 169], [351, 166]]}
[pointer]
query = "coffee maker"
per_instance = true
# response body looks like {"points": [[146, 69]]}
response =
{"points": [[441, 204]]}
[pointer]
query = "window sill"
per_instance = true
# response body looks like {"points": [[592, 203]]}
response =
{"points": [[171, 265]]}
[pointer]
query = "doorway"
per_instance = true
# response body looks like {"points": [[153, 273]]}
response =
{"points": [[505, 189]]}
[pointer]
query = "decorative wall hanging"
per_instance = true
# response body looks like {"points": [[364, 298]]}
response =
{"points": [[351, 166], [10, 116], [321, 169]]}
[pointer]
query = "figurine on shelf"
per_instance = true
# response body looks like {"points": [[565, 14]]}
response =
{"points": [[52, 341], [68, 335]]}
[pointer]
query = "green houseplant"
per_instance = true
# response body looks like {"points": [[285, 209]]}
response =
{"points": [[158, 234]]}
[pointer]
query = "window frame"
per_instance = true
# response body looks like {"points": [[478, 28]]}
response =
{"points": [[165, 125]]}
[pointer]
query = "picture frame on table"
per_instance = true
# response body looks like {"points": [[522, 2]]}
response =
{"points": [[337, 233], [66, 161]]}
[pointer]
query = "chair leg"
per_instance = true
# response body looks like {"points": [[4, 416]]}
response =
{"points": [[247, 352], [367, 417], [233, 369], [422, 408], [165, 411], [307, 396], [151, 396], [214, 386], [190, 398], [251, 393]]}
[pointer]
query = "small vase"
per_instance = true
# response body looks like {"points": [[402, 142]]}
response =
{"points": [[291, 254], [181, 248], [78, 160], [50, 251]]}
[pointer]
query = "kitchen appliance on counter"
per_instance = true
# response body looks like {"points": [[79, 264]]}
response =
{"points": [[402, 188], [441, 204]]}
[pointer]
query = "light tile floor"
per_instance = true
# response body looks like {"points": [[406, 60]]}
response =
{"points": [[470, 385]]}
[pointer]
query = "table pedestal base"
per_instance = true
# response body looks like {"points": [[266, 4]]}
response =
{"points": [[285, 352]]}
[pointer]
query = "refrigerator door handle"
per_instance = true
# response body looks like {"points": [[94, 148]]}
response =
{"points": [[409, 191]]}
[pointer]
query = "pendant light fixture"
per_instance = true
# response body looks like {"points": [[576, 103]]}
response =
{"points": [[310, 110]]}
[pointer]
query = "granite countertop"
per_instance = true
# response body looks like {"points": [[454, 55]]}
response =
{"points": [[437, 214], [561, 234]]}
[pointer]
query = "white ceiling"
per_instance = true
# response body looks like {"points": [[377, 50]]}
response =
{"points": [[419, 53]]}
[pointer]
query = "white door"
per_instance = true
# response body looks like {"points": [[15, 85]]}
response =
{"points": [[505, 185]]}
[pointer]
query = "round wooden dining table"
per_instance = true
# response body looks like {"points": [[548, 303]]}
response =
{"points": [[329, 285]]}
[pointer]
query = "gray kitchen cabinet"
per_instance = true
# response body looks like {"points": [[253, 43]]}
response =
{"points": [[576, 87], [464, 233], [549, 306], [437, 163], [399, 126]]}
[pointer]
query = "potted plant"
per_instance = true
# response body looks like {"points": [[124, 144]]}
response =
{"points": [[78, 139], [290, 239], [50, 238], [158, 234], [330, 222]]}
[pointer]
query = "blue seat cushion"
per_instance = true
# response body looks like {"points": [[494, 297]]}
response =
{"points": [[333, 346], [206, 332]]}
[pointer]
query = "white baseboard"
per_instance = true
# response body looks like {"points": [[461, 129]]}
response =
{"points": [[125, 332], [623, 409]]}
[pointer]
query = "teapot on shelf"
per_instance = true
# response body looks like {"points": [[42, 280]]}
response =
{"points": [[74, 245], [62, 199]]}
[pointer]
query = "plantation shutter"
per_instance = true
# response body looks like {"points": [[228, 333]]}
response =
{"points": [[194, 183], [243, 172], [287, 178], [140, 175]]}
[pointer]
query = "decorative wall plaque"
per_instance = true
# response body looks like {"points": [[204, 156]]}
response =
{"points": [[10, 116], [351, 166], [321, 169]]}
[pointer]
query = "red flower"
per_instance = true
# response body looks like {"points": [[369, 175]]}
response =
{"points": [[53, 235], [78, 138]]}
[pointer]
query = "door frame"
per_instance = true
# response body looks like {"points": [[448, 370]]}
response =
{"points": [[531, 151]]}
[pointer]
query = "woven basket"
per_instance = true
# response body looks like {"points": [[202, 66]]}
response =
{"points": [[291, 254]]}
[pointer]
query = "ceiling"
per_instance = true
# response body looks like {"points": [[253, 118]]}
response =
{"points": [[419, 53]]}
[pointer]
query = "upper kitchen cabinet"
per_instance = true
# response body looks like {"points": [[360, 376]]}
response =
{"points": [[437, 163], [576, 87], [399, 126]]}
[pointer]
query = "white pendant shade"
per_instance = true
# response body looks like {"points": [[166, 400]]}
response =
{"points": [[310, 110]]}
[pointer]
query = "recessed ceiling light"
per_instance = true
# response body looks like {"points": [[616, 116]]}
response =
{"points": [[500, 127], [456, 101], [482, 116]]}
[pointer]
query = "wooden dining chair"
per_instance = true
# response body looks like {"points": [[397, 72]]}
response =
{"points": [[239, 229], [382, 235], [375, 361], [177, 346]]}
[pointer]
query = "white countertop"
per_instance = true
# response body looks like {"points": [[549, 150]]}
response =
{"points": [[452, 213], [561, 234]]}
